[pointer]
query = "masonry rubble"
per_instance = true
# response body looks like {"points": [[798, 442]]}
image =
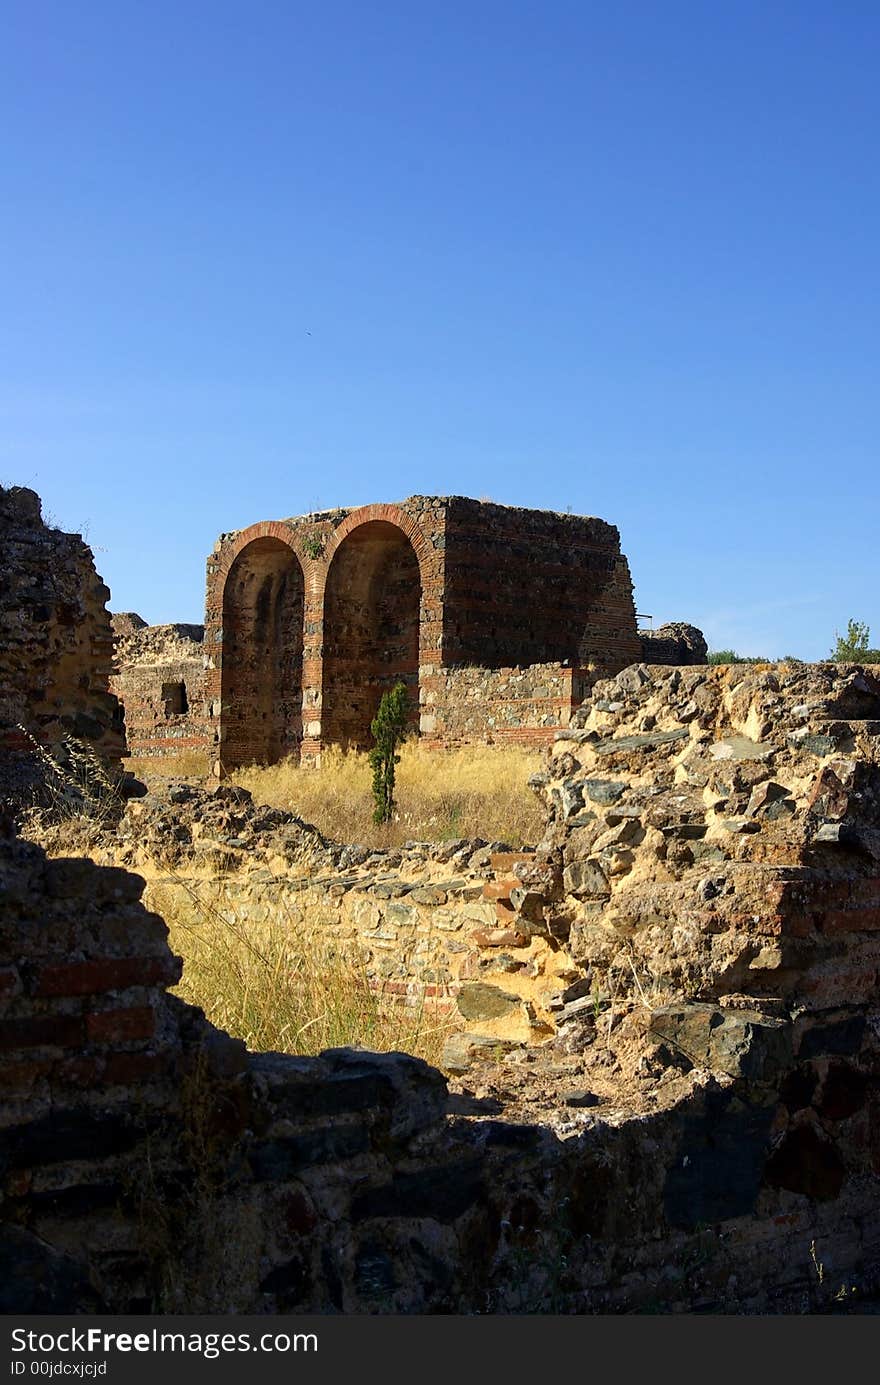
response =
{"points": [[697, 1129], [674, 643]]}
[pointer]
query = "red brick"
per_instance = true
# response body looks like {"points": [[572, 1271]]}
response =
{"points": [[20, 1077], [106, 974], [52, 1031], [134, 1067], [80, 1071], [121, 1026], [865, 892], [851, 920], [499, 889], [506, 860]]}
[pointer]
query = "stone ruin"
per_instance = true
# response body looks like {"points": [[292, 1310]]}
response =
{"points": [[55, 648], [489, 614], [159, 678], [674, 643], [664, 1092], [498, 620], [686, 1119]]}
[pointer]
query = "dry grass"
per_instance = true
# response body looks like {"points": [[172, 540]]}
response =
{"points": [[287, 986], [76, 800], [440, 795], [189, 764]]}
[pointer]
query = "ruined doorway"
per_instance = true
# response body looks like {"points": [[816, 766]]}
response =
{"points": [[372, 603], [262, 653]]}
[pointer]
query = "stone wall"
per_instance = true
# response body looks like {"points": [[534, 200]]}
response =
{"points": [[310, 619], [55, 645], [674, 643], [504, 706], [149, 1164], [433, 923], [699, 1132], [159, 678]]}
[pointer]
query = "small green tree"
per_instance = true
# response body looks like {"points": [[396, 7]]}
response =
{"points": [[389, 729], [855, 647]]}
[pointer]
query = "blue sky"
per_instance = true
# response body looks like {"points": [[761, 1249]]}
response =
{"points": [[261, 258]]}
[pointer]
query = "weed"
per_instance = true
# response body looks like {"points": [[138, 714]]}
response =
{"points": [[313, 545], [78, 797]]}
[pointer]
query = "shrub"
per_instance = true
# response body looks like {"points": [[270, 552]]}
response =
{"points": [[854, 647], [389, 729], [730, 656]]}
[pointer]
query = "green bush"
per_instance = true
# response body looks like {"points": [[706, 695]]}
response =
{"points": [[854, 647], [730, 656], [389, 729]]}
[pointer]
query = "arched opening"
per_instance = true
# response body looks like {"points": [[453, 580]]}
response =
{"points": [[261, 686], [371, 630]]}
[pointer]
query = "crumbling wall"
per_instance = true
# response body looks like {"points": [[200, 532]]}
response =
{"points": [[159, 678], [701, 1133], [429, 920], [722, 824], [149, 1164], [55, 644], [674, 643]]}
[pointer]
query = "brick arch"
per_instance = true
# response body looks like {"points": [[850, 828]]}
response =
{"points": [[389, 514], [265, 529], [378, 566], [261, 586]]}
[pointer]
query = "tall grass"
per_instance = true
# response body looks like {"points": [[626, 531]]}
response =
{"points": [[440, 795], [289, 986], [74, 799], [187, 764]]}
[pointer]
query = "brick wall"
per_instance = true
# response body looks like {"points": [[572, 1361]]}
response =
{"points": [[530, 586], [159, 678], [504, 706], [410, 592]]}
